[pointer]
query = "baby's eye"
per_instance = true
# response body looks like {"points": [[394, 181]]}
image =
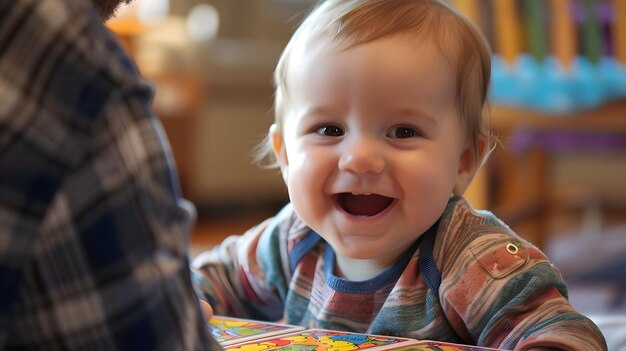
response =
{"points": [[402, 132], [329, 131]]}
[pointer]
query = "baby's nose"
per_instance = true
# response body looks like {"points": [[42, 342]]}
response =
{"points": [[362, 156]]}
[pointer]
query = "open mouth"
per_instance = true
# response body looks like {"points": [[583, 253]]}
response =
{"points": [[363, 205]]}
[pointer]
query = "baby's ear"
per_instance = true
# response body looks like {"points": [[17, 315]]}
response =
{"points": [[278, 146], [468, 167]]}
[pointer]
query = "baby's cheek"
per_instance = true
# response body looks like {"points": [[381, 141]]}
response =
{"points": [[429, 185]]}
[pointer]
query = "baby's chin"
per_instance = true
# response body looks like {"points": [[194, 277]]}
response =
{"points": [[364, 250]]}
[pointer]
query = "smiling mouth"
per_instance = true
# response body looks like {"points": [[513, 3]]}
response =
{"points": [[363, 205]]}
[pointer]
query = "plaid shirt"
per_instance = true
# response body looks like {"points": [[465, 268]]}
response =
{"points": [[93, 231]]}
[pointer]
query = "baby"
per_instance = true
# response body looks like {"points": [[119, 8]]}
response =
{"points": [[378, 133]]}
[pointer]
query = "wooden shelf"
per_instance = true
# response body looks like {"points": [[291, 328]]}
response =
{"points": [[517, 183]]}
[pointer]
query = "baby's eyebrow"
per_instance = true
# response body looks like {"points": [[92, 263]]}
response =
{"points": [[317, 112], [414, 111]]}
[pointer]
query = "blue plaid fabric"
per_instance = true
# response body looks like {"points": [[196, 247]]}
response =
{"points": [[93, 231]]}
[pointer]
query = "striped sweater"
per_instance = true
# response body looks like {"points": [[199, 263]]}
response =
{"points": [[496, 289]]}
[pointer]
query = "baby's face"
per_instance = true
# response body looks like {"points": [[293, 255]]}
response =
{"points": [[372, 145]]}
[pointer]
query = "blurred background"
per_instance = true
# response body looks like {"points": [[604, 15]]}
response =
{"points": [[557, 176]]}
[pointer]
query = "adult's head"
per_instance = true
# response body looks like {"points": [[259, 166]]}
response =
{"points": [[107, 7]]}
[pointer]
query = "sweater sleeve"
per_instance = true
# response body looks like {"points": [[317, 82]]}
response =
{"points": [[503, 292], [244, 275]]}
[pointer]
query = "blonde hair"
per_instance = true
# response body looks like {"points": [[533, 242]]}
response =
{"points": [[349, 23]]}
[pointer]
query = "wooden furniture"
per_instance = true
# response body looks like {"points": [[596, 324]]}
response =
{"points": [[177, 102], [517, 176], [179, 91]]}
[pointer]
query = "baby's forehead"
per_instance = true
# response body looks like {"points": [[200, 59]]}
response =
{"points": [[306, 56], [329, 34], [389, 72]]}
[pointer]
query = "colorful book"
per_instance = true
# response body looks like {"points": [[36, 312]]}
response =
{"points": [[229, 331], [428, 345], [619, 30], [592, 35], [507, 30], [536, 29], [247, 335], [563, 32]]}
